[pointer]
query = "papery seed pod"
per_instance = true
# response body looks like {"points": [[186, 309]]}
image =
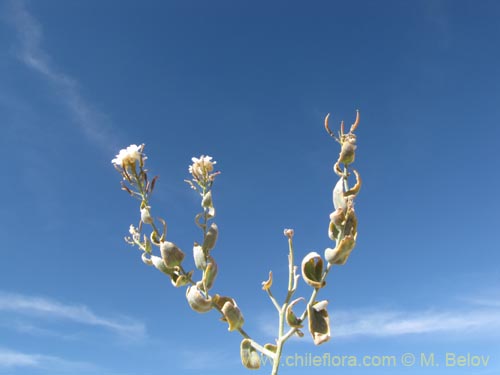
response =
{"points": [[210, 237], [271, 347], [312, 270], [266, 285], [291, 318], [160, 265], [197, 301], [207, 203], [341, 253], [200, 259], [319, 322], [219, 301], [179, 281], [210, 274], [146, 260], [171, 254], [249, 356], [351, 224], [338, 217], [232, 315], [347, 152], [333, 231], [146, 215], [339, 200]]}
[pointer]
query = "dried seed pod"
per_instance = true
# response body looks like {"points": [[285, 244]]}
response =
{"points": [[319, 322], [210, 237], [341, 253], [210, 274], [200, 259], [171, 254], [266, 285], [312, 270], [249, 356], [197, 301], [291, 318], [232, 315]]}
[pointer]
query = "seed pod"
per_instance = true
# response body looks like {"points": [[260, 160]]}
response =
{"points": [[232, 315], [160, 265], [312, 270], [210, 274], [171, 254], [200, 260], [341, 253], [210, 238], [146, 215], [291, 318], [339, 200], [249, 356], [319, 322], [197, 300]]}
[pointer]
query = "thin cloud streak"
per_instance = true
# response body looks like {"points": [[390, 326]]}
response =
{"points": [[76, 313], [31, 53], [397, 323], [15, 359]]}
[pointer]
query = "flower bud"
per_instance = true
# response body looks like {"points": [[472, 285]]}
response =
{"points": [[171, 254], [249, 356], [197, 300], [312, 270], [210, 237], [288, 233]]}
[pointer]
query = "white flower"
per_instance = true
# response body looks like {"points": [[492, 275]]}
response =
{"points": [[135, 233], [201, 167], [129, 156]]}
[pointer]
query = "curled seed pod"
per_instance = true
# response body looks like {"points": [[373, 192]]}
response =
{"points": [[160, 265], [271, 347], [210, 274], [200, 259], [207, 203], [197, 301], [291, 318], [319, 322], [171, 254], [210, 237], [249, 356], [347, 151], [312, 270], [146, 215], [232, 315], [339, 200], [341, 253]]}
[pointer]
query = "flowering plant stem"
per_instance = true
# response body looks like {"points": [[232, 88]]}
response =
{"points": [[342, 230]]}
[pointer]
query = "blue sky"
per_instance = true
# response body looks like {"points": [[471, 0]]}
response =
{"points": [[248, 83]]}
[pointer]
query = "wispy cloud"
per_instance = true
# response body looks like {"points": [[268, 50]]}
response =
{"points": [[44, 307], [13, 359], [482, 318], [31, 53], [396, 323]]}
